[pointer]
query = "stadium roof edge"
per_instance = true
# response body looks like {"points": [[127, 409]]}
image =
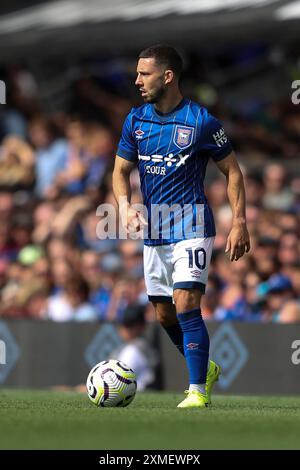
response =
{"points": [[70, 26]]}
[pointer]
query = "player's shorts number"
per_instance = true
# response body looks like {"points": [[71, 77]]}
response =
{"points": [[196, 257]]}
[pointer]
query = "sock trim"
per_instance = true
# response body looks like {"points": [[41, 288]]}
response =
{"points": [[185, 316], [199, 387]]}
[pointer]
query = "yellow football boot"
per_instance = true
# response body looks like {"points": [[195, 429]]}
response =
{"points": [[194, 399]]}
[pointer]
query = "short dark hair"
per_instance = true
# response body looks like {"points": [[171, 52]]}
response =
{"points": [[164, 55], [133, 315]]}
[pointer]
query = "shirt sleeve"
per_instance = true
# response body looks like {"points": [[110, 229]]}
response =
{"points": [[214, 139], [127, 147]]}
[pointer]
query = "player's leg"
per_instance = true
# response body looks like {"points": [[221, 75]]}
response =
{"points": [[191, 261], [167, 317], [195, 341], [158, 270]]}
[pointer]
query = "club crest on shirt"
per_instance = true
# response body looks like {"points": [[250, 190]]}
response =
{"points": [[183, 136]]}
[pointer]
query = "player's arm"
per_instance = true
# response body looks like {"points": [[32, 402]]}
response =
{"points": [[131, 219], [238, 241], [126, 159], [121, 184]]}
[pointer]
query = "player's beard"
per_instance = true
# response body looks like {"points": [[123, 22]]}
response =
{"points": [[156, 95]]}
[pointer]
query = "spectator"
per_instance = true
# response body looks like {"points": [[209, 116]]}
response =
{"points": [[290, 313], [71, 303], [71, 177], [276, 292], [277, 195], [51, 154], [136, 351], [99, 290], [16, 164]]}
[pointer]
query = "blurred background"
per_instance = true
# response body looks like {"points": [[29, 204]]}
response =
{"points": [[69, 70]]}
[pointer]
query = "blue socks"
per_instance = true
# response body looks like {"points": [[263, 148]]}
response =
{"points": [[196, 344], [175, 334], [191, 338]]}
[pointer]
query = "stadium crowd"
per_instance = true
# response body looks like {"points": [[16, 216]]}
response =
{"points": [[55, 170]]}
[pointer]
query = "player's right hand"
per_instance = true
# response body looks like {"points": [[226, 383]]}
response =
{"points": [[132, 220], [238, 241]]}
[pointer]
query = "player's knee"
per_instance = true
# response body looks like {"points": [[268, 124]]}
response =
{"points": [[187, 299]]}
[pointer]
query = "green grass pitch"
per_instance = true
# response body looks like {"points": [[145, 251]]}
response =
{"points": [[52, 420]]}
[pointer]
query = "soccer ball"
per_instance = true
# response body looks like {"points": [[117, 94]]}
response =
{"points": [[111, 383]]}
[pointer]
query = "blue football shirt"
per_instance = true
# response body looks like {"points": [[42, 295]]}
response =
{"points": [[172, 151]]}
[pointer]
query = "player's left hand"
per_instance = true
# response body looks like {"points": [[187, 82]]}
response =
{"points": [[238, 241]]}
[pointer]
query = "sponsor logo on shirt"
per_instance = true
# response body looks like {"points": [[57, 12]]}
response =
{"points": [[220, 137], [196, 273], [192, 346], [169, 159], [139, 133]]}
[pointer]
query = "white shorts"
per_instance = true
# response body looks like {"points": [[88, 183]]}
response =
{"points": [[182, 265]]}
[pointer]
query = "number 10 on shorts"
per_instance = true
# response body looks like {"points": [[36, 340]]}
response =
{"points": [[197, 258]]}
